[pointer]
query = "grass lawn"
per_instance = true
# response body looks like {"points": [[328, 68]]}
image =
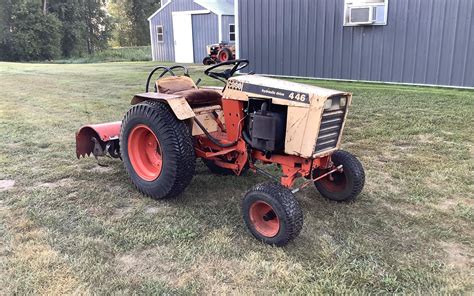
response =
{"points": [[69, 226]]}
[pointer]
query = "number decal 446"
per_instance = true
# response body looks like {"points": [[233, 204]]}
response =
{"points": [[297, 97]]}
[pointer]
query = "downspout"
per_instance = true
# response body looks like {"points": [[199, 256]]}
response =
{"points": [[237, 31], [152, 41], [219, 21]]}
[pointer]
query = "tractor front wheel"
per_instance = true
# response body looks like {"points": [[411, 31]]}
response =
{"points": [[157, 150], [345, 185], [207, 61], [272, 214]]}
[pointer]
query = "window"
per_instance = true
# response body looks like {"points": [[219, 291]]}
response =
{"points": [[365, 12], [232, 32], [159, 33]]}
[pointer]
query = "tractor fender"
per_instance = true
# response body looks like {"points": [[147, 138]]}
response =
{"points": [[178, 104], [102, 133]]}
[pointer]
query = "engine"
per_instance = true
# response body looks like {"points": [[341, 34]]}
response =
{"points": [[266, 126]]}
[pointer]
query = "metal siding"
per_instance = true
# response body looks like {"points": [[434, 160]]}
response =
{"points": [[468, 61], [278, 50], [424, 42], [289, 49], [272, 23], [165, 51], [205, 32], [226, 21]]}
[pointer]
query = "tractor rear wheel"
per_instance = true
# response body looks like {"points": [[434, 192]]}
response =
{"points": [[224, 55], [272, 214], [157, 150], [345, 185]]}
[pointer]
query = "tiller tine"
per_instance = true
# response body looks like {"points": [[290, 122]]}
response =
{"points": [[99, 139]]}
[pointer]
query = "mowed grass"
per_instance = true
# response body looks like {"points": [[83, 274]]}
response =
{"points": [[70, 226]]}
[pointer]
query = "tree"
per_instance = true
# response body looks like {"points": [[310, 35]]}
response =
{"points": [[74, 29], [131, 17], [5, 26], [86, 24], [29, 34], [98, 25]]}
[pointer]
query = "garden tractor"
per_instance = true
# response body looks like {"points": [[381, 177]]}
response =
{"points": [[251, 122], [219, 53]]}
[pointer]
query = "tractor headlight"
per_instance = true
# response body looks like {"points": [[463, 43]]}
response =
{"points": [[343, 102], [328, 104]]}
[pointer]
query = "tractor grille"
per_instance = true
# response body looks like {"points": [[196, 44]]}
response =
{"points": [[330, 129]]}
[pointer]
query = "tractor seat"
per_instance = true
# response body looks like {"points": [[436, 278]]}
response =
{"points": [[200, 97], [185, 86]]}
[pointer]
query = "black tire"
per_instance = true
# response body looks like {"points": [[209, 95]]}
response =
{"points": [[346, 185], [284, 207], [207, 61], [215, 169], [225, 52], [178, 158]]}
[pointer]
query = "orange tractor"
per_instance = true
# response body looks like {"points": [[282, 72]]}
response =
{"points": [[219, 53], [252, 120]]}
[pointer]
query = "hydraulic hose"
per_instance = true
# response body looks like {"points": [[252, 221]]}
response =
{"points": [[246, 137], [214, 140]]}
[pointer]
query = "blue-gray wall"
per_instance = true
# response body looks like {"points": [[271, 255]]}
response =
{"points": [[205, 32], [165, 51], [425, 41], [226, 21]]}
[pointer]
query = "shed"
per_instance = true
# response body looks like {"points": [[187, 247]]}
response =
{"points": [[181, 29]]}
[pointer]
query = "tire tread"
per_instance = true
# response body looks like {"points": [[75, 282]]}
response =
{"points": [[351, 163], [291, 207], [177, 133]]}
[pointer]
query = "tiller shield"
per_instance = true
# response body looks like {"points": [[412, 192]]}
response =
{"points": [[99, 139]]}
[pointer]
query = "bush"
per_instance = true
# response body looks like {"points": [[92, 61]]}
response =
{"points": [[119, 54]]}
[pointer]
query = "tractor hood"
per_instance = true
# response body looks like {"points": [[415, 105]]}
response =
{"points": [[281, 92], [315, 115]]}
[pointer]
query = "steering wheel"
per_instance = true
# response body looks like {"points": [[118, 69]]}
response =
{"points": [[165, 70], [228, 73]]}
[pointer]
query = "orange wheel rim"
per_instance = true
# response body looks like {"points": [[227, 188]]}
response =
{"points": [[145, 153], [224, 57], [264, 219], [336, 182]]}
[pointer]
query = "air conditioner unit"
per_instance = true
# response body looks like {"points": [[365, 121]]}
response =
{"points": [[361, 15], [365, 12]]}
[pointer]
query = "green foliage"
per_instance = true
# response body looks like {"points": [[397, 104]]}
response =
{"points": [[47, 29], [30, 34], [121, 54], [74, 29], [98, 25], [131, 18], [70, 13], [86, 25]]}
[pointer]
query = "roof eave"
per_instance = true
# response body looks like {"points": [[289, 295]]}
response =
{"points": [[159, 9]]}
